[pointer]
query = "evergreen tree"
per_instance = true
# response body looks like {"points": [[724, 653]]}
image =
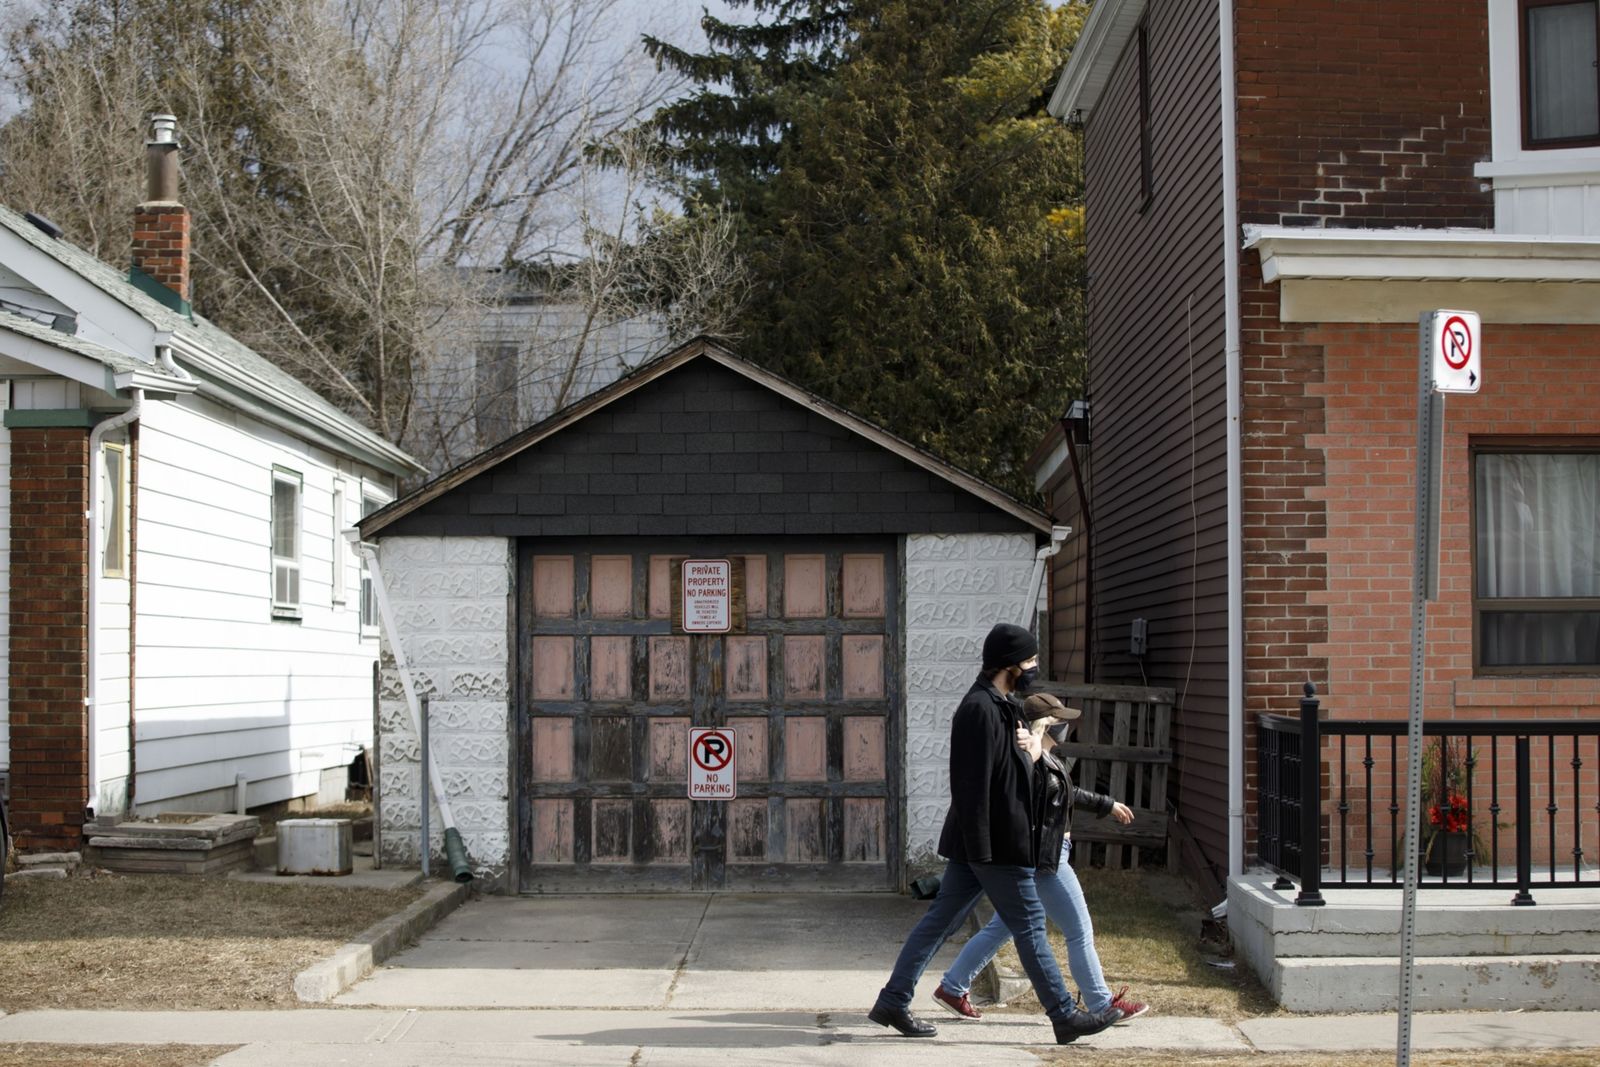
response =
{"points": [[910, 220]]}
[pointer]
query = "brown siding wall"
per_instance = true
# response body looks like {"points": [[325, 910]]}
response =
{"points": [[1158, 493]]}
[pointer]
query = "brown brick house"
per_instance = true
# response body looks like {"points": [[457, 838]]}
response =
{"points": [[1267, 216]]}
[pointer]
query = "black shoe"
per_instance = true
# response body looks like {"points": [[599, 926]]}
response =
{"points": [[1083, 1023], [902, 1020]]}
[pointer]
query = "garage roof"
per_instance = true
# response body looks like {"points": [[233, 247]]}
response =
{"points": [[700, 349]]}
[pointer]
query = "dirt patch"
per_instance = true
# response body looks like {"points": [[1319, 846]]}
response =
{"points": [[1147, 932], [1084, 1057], [32, 1055], [165, 941]]}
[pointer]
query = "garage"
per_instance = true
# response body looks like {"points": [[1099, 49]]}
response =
{"points": [[543, 599]]}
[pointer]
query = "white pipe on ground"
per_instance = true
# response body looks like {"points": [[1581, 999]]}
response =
{"points": [[386, 618]]}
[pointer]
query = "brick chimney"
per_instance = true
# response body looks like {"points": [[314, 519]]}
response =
{"points": [[161, 223]]}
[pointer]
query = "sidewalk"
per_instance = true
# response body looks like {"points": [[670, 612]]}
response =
{"points": [[666, 1038]]}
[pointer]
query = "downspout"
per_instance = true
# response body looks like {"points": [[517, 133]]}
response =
{"points": [[1088, 552], [454, 849], [1230, 257], [97, 437], [1030, 614]]}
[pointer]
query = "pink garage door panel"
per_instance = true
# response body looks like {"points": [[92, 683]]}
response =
{"points": [[607, 693], [611, 587]]}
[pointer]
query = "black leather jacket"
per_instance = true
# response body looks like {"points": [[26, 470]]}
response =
{"points": [[1052, 785]]}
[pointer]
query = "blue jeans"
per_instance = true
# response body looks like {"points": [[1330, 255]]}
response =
{"points": [[1063, 903], [1017, 906]]}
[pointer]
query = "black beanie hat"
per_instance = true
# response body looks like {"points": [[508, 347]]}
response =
{"points": [[1008, 645]]}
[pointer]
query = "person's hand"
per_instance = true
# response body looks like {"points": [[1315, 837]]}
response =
{"points": [[1029, 742], [1121, 812]]}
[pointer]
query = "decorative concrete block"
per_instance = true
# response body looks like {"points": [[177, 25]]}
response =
{"points": [[478, 782], [969, 580], [394, 551], [398, 783], [924, 547], [477, 550], [488, 682], [399, 748], [933, 613], [454, 749], [488, 615]]}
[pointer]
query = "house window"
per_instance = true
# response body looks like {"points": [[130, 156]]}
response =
{"points": [[494, 406], [1147, 192], [1560, 74], [339, 545], [369, 593], [286, 487], [114, 516], [1536, 557]]}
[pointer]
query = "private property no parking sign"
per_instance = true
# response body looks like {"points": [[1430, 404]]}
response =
{"points": [[711, 764]]}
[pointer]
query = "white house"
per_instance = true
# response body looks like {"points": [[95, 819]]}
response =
{"points": [[178, 608]]}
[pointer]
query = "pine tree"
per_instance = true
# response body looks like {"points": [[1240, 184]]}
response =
{"points": [[910, 218]]}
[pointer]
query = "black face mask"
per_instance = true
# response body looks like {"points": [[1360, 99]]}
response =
{"points": [[1058, 731], [1025, 680]]}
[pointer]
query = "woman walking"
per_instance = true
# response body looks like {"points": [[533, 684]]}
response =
{"points": [[1058, 886]]}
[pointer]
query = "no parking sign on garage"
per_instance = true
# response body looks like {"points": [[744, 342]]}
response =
{"points": [[711, 766]]}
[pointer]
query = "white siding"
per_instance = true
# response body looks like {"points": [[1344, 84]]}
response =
{"points": [[5, 586], [224, 688]]}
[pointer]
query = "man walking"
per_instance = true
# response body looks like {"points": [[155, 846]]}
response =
{"points": [[989, 844]]}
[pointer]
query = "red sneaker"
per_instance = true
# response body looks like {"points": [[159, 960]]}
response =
{"points": [[956, 1005], [1131, 1009]]}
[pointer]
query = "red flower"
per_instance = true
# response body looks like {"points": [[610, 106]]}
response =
{"points": [[1453, 817]]}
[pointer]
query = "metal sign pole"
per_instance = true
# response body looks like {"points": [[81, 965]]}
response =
{"points": [[1424, 587], [422, 726]]}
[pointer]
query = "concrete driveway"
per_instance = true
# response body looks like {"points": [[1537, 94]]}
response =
{"points": [[811, 953]]}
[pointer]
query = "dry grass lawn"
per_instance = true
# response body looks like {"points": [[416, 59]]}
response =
{"points": [[167, 941], [1147, 928], [1085, 1057], [110, 1055]]}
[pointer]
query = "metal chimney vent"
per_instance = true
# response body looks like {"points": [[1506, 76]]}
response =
{"points": [[163, 129]]}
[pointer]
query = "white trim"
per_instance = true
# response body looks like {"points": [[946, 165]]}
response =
{"points": [[1046, 470], [1543, 173], [287, 607], [1422, 255], [1505, 98], [1105, 34], [286, 411]]}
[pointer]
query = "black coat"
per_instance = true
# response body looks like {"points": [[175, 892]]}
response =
{"points": [[991, 817], [1052, 784]]}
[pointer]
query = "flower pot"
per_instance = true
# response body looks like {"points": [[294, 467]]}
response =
{"points": [[1447, 853]]}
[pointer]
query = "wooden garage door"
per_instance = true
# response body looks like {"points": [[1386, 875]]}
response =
{"points": [[608, 692]]}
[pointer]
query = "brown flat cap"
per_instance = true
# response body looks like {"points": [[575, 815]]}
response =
{"points": [[1043, 705]]}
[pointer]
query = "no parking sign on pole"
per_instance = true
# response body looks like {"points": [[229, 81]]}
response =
{"points": [[711, 765], [1456, 351]]}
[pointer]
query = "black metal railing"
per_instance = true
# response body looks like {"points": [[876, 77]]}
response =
{"points": [[1331, 803]]}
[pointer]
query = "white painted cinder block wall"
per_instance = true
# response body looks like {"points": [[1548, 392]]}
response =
{"points": [[451, 601], [452, 597], [957, 586]]}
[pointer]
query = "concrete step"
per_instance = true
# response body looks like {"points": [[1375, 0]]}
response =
{"points": [[1354, 923], [1443, 983]]}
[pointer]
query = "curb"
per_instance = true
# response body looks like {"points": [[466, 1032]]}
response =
{"points": [[358, 957]]}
